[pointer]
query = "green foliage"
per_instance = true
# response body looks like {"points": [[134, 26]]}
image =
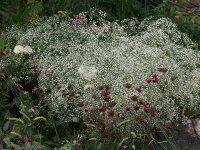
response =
{"points": [[18, 11], [185, 20], [117, 9]]}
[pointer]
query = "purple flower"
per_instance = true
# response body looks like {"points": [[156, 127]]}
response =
{"points": [[145, 120], [111, 121], [152, 78], [140, 89], [4, 52], [77, 142], [88, 109], [20, 86], [102, 109]]}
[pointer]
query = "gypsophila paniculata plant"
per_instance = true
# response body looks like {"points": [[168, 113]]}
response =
{"points": [[74, 52]]}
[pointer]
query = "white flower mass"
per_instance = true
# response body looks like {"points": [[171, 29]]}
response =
{"points": [[78, 55], [20, 49], [87, 72]]}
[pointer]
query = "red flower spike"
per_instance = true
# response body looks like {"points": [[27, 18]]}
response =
{"points": [[145, 120], [173, 78], [136, 108], [35, 90], [127, 108], [163, 70], [146, 106], [20, 86], [104, 93], [47, 72], [107, 87], [112, 104], [69, 103], [153, 112], [111, 121], [168, 125], [77, 142], [140, 89], [100, 87], [4, 52], [87, 120], [80, 104], [106, 98], [94, 96], [127, 85], [71, 93], [35, 70], [134, 98], [88, 109], [153, 78], [102, 109], [141, 102], [119, 114], [110, 113]]}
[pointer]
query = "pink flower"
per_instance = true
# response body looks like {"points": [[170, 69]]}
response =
{"points": [[173, 78], [145, 120], [163, 70], [127, 85], [146, 106], [102, 109], [119, 114], [104, 93], [94, 26], [35, 90], [35, 70], [47, 72], [72, 93], [4, 52], [110, 113], [78, 18], [77, 142], [20, 86], [127, 108], [88, 109], [140, 89], [111, 121], [69, 103], [152, 78], [106, 27], [94, 96]]}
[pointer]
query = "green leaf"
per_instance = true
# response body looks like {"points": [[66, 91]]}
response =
{"points": [[1, 44], [6, 125]]}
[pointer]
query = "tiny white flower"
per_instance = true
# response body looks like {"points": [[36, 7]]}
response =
{"points": [[133, 134], [87, 72], [75, 119], [88, 86]]}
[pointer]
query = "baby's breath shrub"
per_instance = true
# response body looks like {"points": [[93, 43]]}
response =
{"points": [[74, 52]]}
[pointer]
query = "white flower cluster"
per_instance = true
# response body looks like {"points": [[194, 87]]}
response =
{"points": [[76, 56], [20, 49]]}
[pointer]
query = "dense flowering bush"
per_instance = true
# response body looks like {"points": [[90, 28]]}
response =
{"points": [[158, 64]]}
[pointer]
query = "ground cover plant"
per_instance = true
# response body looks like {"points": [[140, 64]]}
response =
{"points": [[89, 74]]}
